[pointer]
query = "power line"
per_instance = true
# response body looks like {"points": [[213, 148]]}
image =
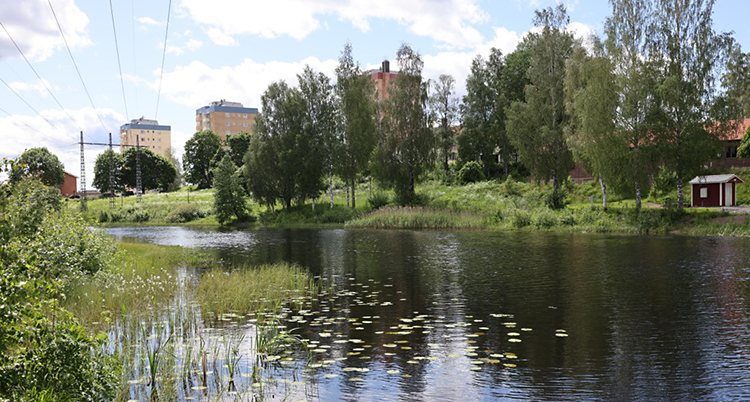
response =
{"points": [[119, 66], [40, 78], [27, 103], [135, 63], [163, 56], [76, 67], [24, 123]]}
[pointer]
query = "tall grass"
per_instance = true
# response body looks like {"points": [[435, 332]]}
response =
{"points": [[418, 218], [251, 289]]}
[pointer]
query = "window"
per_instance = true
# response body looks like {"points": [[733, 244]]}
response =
{"points": [[704, 192], [244, 115], [226, 123], [226, 114], [244, 124]]}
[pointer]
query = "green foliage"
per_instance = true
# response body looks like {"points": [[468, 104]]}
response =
{"points": [[157, 172], [185, 213], [229, 200], [238, 145], [744, 149], [536, 126], [471, 172], [199, 152], [444, 106], [417, 218], [356, 111], [102, 169], [305, 215], [39, 163], [378, 199], [285, 159], [407, 141]]}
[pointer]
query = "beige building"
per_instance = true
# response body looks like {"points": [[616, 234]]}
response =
{"points": [[150, 134], [225, 118]]}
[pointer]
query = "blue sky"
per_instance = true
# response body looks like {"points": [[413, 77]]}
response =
{"points": [[232, 49]]}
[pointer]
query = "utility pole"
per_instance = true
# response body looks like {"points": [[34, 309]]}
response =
{"points": [[83, 177], [139, 188], [111, 175]]}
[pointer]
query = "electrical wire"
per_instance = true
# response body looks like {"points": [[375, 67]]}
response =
{"points": [[27, 104], [135, 63], [39, 77], [33, 128], [163, 56], [119, 66], [77, 70]]}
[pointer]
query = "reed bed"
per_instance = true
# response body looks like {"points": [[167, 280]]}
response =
{"points": [[418, 218], [250, 289]]}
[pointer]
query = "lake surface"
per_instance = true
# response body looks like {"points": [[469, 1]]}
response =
{"points": [[512, 315]]}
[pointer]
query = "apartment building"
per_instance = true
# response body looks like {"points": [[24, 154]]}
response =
{"points": [[151, 135], [225, 118], [382, 78]]}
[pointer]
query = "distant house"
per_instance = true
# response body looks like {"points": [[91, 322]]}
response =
{"points": [[715, 190], [69, 186]]}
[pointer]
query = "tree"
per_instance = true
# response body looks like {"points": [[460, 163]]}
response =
{"points": [[199, 152], [358, 129], [444, 105], [283, 162], [406, 142], [737, 79], [628, 31], [536, 126], [238, 145], [743, 151], [102, 169], [177, 183], [157, 172], [688, 53], [40, 163], [591, 98], [229, 200]]}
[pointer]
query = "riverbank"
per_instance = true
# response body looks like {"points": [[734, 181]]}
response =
{"points": [[488, 205]]}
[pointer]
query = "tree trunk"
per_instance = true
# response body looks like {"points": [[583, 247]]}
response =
{"points": [[330, 185], [637, 196], [411, 184], [347, 196], [680, 194], [354, 198], [604, 193], [313, 203], [555, 192]]}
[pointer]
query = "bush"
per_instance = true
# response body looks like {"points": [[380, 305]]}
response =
{"points": [[185, 213], [544, 219], [520, 218], [471, 172], [378, 199]]}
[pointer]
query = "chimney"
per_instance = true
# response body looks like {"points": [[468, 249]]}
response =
{"points": [[386, 66]]}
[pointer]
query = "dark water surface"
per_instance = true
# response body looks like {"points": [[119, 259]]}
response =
{"points": [[647, 318]]}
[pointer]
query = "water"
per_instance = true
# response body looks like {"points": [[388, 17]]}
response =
{"points": [[646, 318]]}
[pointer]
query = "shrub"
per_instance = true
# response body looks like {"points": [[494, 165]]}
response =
{"points": [[185, 213], [378, 199], [544, 219], [471, 172], [520, 218]]}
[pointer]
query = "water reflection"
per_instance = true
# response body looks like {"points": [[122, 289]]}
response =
{"points": [[648, 318]]}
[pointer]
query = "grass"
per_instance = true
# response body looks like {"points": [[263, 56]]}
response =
{"points": [[418, 218], [251, 289], [141, 278]]}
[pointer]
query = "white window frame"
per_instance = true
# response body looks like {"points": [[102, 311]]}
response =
{"points": [[704, 192]]}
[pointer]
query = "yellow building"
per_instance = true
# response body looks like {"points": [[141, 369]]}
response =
{"points": [[225, 118], [150, 134]]}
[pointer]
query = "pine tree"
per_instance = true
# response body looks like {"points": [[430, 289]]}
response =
{"points": [[229, 201]]}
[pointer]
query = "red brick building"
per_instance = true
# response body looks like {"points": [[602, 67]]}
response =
{"points": [[69, 186]]}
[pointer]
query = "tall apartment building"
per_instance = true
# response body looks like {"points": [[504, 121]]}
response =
{"points": [[382, 78], [225, 118], [151, 135]]}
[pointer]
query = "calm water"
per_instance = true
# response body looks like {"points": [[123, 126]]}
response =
{"points": [[483, 315]]}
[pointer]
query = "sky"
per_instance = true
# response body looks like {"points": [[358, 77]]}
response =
{"points": [[231, 49]]}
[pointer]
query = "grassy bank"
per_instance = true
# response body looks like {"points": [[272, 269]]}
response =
{"points": [[505, 205]]}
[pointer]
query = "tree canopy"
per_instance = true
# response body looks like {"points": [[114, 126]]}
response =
{"points": [[199, 153], [40, 163]]}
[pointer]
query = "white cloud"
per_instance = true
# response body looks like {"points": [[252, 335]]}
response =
{"points": [[34, 29], [147, 21], [22, 132], [193, 44], [175, 50], [218, 37], [244, 83], [447, 21], [583, 32], [37, 87]]}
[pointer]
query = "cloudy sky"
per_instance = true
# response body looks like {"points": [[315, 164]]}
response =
{"points": [[230, 49]]}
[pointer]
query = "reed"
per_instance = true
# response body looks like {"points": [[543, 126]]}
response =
{"points": [[419, 218]]}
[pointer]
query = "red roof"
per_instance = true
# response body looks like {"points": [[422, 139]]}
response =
{"points": [[741, 128]]}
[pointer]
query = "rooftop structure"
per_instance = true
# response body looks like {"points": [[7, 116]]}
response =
{"points": [[148, 133]]}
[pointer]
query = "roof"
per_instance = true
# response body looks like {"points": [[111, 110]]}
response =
{"points": [[740, 132], [226, 109], [716, 178], [70, 174]]}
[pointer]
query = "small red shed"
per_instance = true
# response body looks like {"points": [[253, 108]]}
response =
{"points": [[715, 190]]}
